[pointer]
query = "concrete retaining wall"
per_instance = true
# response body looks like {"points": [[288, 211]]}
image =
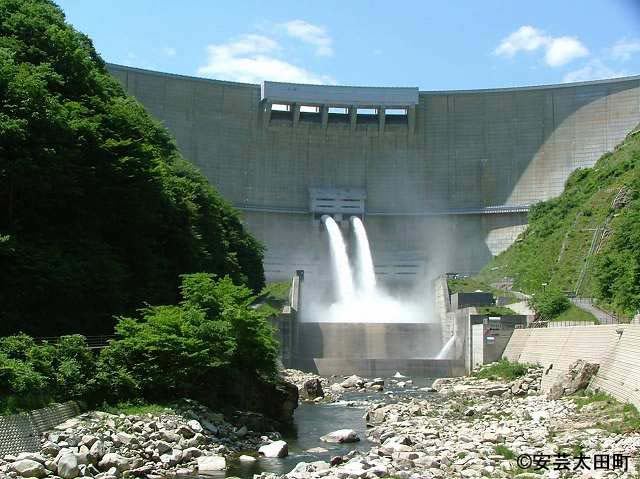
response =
{"points": [[21, 432], [615, 347]]}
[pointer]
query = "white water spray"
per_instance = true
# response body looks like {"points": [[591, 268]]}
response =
{"points": [[364, 262], [341, 268], [445, 352]]}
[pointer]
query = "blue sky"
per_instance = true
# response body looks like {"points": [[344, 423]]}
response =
{"points": [[435, 45]]}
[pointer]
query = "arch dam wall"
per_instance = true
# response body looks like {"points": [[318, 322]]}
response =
{"points": [[446, 185]]}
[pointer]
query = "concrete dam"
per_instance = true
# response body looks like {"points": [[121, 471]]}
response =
{"points": [[442, 181]]}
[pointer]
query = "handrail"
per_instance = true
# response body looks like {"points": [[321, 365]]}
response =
{"points": [[93, 342]]}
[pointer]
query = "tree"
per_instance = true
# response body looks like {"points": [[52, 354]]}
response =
{"points": [[100, 214]]}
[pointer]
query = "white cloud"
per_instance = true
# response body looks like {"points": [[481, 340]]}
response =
{"points": [[251, 59], [558, 50], [624, 49], [311, 34], [562, 50], [594, 70], [169, 51], [524, 38]]}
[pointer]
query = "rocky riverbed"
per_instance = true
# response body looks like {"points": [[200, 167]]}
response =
{"points": [[181, 443], [478, 428], [454, 428]]}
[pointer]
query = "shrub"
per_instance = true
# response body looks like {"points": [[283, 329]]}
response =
{"points": [[503, 369], [172, 350], [549, 303]]}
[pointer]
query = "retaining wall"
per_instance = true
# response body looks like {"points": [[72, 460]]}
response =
{"points": [[21, 432], [615, 347]]}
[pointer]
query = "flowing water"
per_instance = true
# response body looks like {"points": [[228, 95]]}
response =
{"points": [[364, 261], [311, 421], [342, 270], [447, 349]]}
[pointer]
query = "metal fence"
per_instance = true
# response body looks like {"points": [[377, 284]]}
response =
{"points": [[93, 342], [604, 317]]}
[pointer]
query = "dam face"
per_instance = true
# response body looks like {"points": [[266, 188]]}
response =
{"points": [[444, 180]]}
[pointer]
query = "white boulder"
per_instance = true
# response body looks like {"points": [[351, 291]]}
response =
{"points": [[275, 449]]}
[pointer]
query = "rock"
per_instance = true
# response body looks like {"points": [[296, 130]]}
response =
{"points": [[341, 436], [209, 464], [88, 440], [352, 382], [242, 431], [28, 468], [125, 438], [577, 377], [245, 458], [489, 436], [191, 453], [171, 436], [496, 391], [34, 456], [336, 460], [163, 447], [113, 460], [185, 431], [317, 450], [97, 451], [68, 466], [195, 426], [312, 389], [275, 449], [50, 448]]}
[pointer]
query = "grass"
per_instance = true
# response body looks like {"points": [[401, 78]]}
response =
{"points": [[136, 408], [278, 290], [505, 452], [553, 249], [612, 415], [503, 369], [573, 313], [273, 297]]}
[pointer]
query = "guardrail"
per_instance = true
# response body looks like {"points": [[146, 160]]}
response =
{"points": [[560, 324], [93, 342], [604, 317]]}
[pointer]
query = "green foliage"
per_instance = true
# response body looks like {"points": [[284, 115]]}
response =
{"points": [[35, 373], [136, 408], [554, 248], [167, 353], [549, 303], [503, 369], [101, 213], [505, 452], [173, 350], [273, 297], [618, 265], [612, 415], [573, 313]]}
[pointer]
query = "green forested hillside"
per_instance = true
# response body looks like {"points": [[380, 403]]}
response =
{"points": [[588, 239], [99, 213]]}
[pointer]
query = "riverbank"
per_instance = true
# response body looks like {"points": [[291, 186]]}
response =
{"points": [[480, 427], [407, 429]]}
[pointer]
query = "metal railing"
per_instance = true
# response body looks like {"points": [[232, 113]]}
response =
{"points": [[603, 316], [93, 342]]}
